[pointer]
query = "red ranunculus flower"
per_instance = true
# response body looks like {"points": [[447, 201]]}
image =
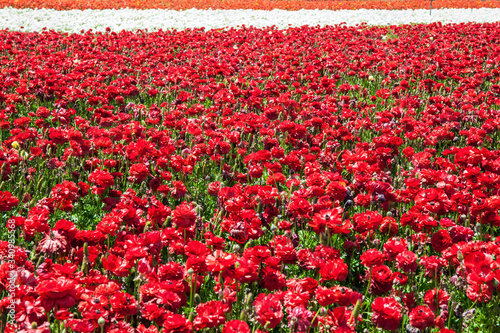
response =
{"points": [[60, 292], [422, 317], [268, 309], [184, 216], [386, 313], [441, 240], [7, 201], [211, 314], [236, 326]]}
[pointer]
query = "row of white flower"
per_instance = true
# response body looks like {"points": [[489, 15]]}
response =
{"points": [[130, 19]]}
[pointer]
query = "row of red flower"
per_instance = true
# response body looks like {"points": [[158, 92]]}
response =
{"points": [[308, 179]]}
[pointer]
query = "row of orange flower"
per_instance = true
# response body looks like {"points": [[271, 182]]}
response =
{"points": [[247, 4]]}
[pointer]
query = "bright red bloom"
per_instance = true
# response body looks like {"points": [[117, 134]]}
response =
{"points": [[367, 221], [138, 172], [236, 326], [211, 314], [176, 323], [407, 261], [433, 200], [60, 292], [334, 269], [184, 216], [101, 178], [386, 313], [268, 309], [372, 257], [7, 201], [433, 299], [381, 280], [422, 317]]}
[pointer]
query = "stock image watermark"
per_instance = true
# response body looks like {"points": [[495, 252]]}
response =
{"points": [[12, 278]]}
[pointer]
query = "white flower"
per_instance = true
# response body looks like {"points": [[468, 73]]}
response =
{"points": [[155, 19]]}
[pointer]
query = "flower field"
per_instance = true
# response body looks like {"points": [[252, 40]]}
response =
{"points": [[249, 179], [244, 4]]}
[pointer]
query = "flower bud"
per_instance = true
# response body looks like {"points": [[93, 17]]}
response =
{"points": [[243, 315], [356, 311], [101, 321], [249, 299], [86, 249], [197, 299]]}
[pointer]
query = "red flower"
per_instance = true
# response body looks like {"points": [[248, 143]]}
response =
{"points": [[386, 313], [334, 269], [101, 178], [138, 172], [64, 195], [184, 216], [372, 257], [336, 191], [236, 326], [433, 200], [268, 309], [367, 221], [441, 240], [123, 304], [382, 280], [300, 207], [60, 292], [340, 320], [422, 317], [433, 299], [210, 315], [407, 261], [7, 201], [176, 323]]}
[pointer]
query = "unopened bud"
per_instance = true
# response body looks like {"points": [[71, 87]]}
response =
{"points": [[249, 299], [356, 311], [243, 315], [460, 255], [86, 249], [101, 321], [190, 271]]}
